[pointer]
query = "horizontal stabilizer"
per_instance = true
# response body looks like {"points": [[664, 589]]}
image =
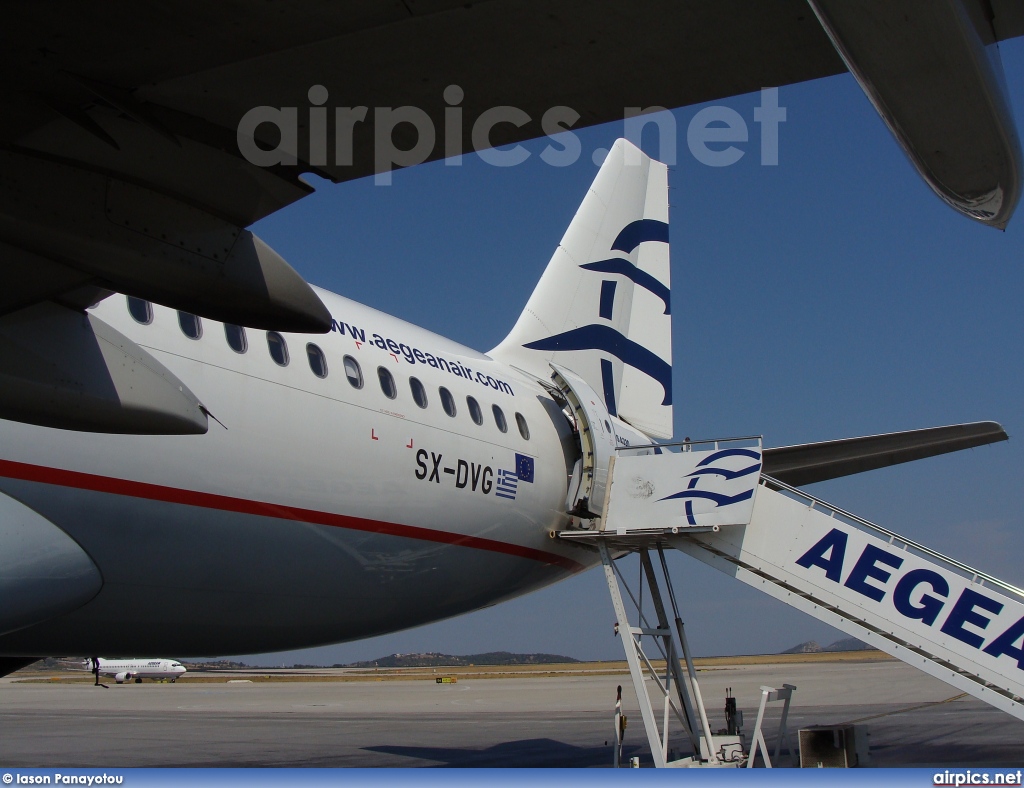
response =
{"points": [[816, 462]]}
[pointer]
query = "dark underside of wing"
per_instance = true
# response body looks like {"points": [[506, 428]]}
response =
{"points": [[123, 165], [154, 92], [164, 82], [816, 462]]}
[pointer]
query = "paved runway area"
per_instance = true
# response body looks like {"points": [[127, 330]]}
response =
{"points": [[539, 722]]}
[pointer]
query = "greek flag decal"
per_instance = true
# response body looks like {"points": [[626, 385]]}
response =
{"points": [[507, 484]]}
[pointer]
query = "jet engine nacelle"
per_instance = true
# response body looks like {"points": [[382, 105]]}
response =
{"points": [[122, 677]]}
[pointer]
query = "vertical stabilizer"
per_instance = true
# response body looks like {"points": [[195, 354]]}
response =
{"points": [[602, 306]]}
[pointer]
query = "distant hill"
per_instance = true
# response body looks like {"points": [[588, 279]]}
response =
{"points": [[218, 664], [809, 647], [812, 647], [432, 660]]}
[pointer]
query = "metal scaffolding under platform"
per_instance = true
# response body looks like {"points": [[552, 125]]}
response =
{"points": [[670, 640]]}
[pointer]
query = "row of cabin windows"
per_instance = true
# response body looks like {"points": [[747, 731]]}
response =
{"points": [[238, 341], [192, 327], [419, 396]]}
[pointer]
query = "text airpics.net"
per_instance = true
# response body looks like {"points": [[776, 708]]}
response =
{"points": [[273, 136], [969, 777]]}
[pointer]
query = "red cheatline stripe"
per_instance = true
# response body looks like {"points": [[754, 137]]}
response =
{"points": [[225, 503]]}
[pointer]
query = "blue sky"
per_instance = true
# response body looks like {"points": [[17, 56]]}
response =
{"points": [[829, 296]]}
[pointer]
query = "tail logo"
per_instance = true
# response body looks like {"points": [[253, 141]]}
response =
{"points": [[619, 265], [632, 235], [635, 233], [605, 338]]}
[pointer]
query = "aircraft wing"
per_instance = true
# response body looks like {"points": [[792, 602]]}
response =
{"points": [[816, 462], [124, 167]]}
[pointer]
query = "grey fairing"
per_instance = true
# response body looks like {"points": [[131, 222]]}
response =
{"points": [[43, 572], [69, 370]]}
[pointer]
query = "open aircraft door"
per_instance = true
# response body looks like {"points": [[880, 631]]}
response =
{"points": [[597, 442]]}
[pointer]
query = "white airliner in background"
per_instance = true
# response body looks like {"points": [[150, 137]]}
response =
{"points": [[366, 480], [122, 670]]}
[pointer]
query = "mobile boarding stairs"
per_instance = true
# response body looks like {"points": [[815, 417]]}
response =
{"points": [[709, 499]]}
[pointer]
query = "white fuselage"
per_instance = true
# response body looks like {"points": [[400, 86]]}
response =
{"points": [[129, 669], [314, 511]]}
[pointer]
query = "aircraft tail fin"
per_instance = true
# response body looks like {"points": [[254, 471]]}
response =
{"points": [[602, 306]]}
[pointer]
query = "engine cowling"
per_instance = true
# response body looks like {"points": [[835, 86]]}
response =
{"points": [[122, 677]]}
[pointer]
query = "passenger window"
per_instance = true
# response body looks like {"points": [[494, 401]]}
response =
{"points": [[317, 360], [141, 311], [419, 394], [447, 401], [387, 383], [353, 372], [524, 429], [236, 337], [474, 410], [499, 418], [191, 325], [278, 348]]}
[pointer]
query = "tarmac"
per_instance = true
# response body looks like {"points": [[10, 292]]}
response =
{"points": [[561, 721]]}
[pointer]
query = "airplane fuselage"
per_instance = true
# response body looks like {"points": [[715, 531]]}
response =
{"points": [[137, 669], [313, 511]]}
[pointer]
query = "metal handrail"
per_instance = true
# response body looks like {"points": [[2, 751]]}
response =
{"points": [[974, 575], [701, 442]]}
